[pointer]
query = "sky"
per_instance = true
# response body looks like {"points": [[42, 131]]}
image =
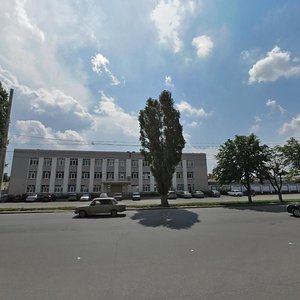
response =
{"points": [[82, 70]]}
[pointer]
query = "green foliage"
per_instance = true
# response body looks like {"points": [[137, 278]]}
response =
{"points": [[240, 160], [291, 150], [3, 112], [162, 140]]}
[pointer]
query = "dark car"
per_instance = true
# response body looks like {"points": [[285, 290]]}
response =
{"points": [[214, 193], [294, 208], [198, 194]]}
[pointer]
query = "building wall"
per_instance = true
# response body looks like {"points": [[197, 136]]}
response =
{"points": [[62, 171]]}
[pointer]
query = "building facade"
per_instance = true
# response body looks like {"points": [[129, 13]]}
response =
{"points": [[64, 171]]}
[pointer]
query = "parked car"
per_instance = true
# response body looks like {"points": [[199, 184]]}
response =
{"points": [[85, 197], [253, 193], [118, 196], [235, 193], [186, 195], [136, 196], [214, 193], [198, 194], [172, 195], [40, 197], [4, 198], [98, 206], [103, 195], [294, 208]]}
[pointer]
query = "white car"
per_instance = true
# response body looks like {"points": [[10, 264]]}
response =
{"points": [[235, 193]]}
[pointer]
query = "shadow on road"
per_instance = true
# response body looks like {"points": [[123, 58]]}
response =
{"points": [[272, 208], [100, 217], [169, 218]]}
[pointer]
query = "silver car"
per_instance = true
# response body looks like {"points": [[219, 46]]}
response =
{"points": [[101, 206]]}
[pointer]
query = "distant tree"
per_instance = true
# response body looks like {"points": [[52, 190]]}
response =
{"points": [[239, 161], [3, 113], [291, 150], [161, 140], [276, 169], [5, 177]]}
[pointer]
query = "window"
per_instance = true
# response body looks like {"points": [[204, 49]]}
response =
{"points": [[189, 163], [146, 188], [73, 162], [45, 189], [122, 176], [34, 161], [191, 187], [60, 162], [190, 175], [72, 175], [98, 175], [58, 189], [84, 189], [71, 188], [86, 162], [135, 175], [122, 163], [134, 163], [145, 163], [97, 188], [30, 188], [47, 162], [46, 175], [146, 175], [110, 175], [180, 187], [98, 162], [59, 175], [179, 175], [85, 175], [110, 162], [31, 174]]}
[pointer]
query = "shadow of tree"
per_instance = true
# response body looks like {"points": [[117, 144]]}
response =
{"points": [[271, 208], [169, 218]]}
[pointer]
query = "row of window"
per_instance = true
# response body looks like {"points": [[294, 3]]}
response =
{"points": [[98, 162], [96, 188], [98, 175]]}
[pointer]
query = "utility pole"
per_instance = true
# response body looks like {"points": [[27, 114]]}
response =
{"points": [[5, 137]]}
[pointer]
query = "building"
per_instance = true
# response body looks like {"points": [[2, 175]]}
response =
{"points": [[64, 171]]}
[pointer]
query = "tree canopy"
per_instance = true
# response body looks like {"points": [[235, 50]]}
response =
{"points": [[162, 140], [3, 112], [239, 161], [291, 150]]}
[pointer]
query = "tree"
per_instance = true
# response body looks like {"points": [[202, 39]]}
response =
{"points": [[275, 169], [161, 140], [3, 114], [291, 150], [240, 160]]}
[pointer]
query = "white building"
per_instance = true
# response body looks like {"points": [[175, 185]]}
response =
{"points": [[64, 171]]}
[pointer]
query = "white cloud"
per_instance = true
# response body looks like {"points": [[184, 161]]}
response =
{"points": [[168, 16], [274, 106], [193, 124], [291, 128], [168, 81], [256, 126], [114, 119], [185, 108], [275, 65], [99, 64], [203, 44], [250, 56]]}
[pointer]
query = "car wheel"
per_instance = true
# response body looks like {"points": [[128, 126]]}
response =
{"points": [[114, 213], [82, 214], [296, 212]]}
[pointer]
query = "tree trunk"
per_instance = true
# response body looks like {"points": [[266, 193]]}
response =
{"points": [[249, 197], [280, 196], [164, 201]]}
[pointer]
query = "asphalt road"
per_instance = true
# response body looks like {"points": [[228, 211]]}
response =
{"points": [[191, 254]]}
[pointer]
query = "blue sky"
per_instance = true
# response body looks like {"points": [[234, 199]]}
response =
{"points": [[82, 70]]}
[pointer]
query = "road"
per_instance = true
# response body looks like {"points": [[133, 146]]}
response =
{"points": [[190, 254]]}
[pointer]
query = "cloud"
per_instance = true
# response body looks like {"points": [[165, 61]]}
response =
{"points": [[250, 56], [193, 124], [167, 17], [168, 81], [185, 108], [275, 65], [274, 106], [203, 44], [113, 118], [256, 126], [291, 128], [100, 64]]}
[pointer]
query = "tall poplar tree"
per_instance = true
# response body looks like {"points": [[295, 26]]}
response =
{"points": [[3, 113], [162, 140]]}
